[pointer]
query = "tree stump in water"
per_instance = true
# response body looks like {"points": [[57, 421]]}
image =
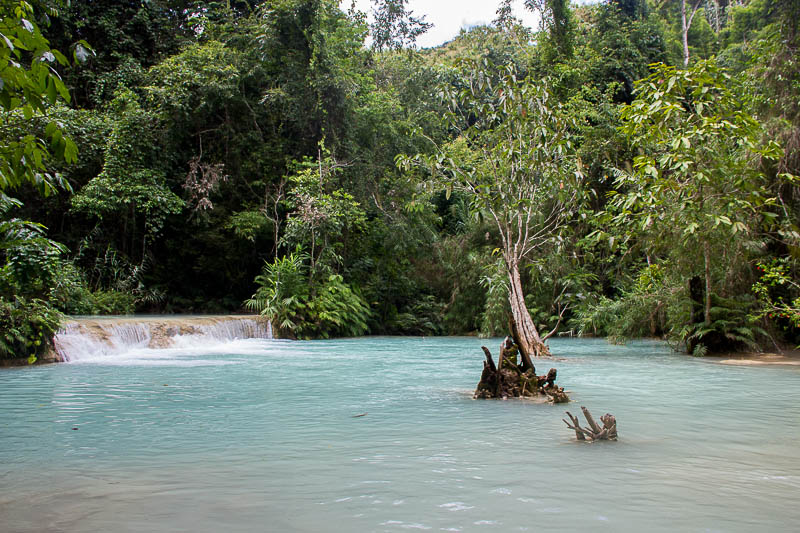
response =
{"points": [[508, 379], [594, 431]]}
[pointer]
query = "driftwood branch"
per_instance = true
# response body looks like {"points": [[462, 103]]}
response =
{"points": [[590, 420], [575, 425], [489, 360], [594, 431]]}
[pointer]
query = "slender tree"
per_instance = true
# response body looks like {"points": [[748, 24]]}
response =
{"points": [[697, 187], [395, 27], [513, 156], [686, 24], [558, 21]]}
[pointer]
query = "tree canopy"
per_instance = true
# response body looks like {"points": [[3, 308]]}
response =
{"points": [[627, 168]]}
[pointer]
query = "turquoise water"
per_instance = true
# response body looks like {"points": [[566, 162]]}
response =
{"points": [[261, 436]]}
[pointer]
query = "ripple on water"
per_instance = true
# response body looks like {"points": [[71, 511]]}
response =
{"points": [[228, 437]]}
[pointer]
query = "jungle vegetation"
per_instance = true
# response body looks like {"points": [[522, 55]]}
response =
{"points": [[628, 168]]}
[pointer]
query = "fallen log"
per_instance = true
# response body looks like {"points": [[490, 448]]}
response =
{"points": [[594, 431]]}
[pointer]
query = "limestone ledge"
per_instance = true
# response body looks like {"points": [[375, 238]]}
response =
{"points": [[160, 330]]}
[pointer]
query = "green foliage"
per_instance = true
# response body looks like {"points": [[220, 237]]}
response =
{"points": [[127, 38], [26, 327], [646, 308], [496, 311], [395, 27], [512, 157], [732, 327], [498, 44], [282, 293], [248, 224], [112, 283], [321, 221], [461, 260], [216, 136], [295, 308], [598, 317], [35, 268], [70, 293], [29, 86], [696, 193], [131, 185], [778, 293], [200, 76], [622, 49], [423, 317], [557, 19], [746, 21], [338, 310], [31, 260]]}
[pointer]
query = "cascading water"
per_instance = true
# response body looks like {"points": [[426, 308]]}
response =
{"points": [[103, 339]]}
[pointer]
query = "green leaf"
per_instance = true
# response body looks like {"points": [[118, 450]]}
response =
{"points": [[7, 41], [52, 91]]}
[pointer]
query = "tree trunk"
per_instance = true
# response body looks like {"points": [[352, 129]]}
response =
{"points": [[707, 265], [684, 34], [686, 23], [523, 329], [696, 296]]}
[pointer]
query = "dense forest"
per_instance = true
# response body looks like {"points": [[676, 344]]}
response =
{"points": [[627, 169]]}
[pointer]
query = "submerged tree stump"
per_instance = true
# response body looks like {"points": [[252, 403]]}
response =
{"points": [[594, 431], [510, 379]]}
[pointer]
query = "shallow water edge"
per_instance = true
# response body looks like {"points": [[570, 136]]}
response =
{"points": [[120, 333]]}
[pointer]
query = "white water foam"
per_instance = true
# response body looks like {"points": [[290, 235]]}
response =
{"points": [[156, 342]]}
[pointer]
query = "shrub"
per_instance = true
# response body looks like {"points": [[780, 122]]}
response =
{"points": [[26, 328], [296, 308], [338, 310], [732, 327], [282, 293]]}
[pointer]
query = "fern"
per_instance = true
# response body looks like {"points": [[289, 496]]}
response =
{"points": [[286, 296], [732, 328]]}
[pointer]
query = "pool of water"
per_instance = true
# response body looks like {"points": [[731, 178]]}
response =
{"points": [[262, 435]]}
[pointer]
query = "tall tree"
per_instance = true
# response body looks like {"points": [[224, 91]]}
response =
{"points": [[395, 27], [558, 21], [513, 156], [697, 189], [686, 24]]}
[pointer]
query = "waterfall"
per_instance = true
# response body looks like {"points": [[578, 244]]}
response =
{"points": [[229, 330], [96, 338]]}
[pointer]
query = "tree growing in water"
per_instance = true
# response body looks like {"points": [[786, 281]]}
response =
{"points": [[513, 156]]}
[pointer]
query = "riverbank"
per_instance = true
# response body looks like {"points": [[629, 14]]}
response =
{"points": [[784, 358], [47, 358], [101, 335]]}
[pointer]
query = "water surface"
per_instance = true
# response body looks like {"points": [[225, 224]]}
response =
{"points": [[260, 435]]}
